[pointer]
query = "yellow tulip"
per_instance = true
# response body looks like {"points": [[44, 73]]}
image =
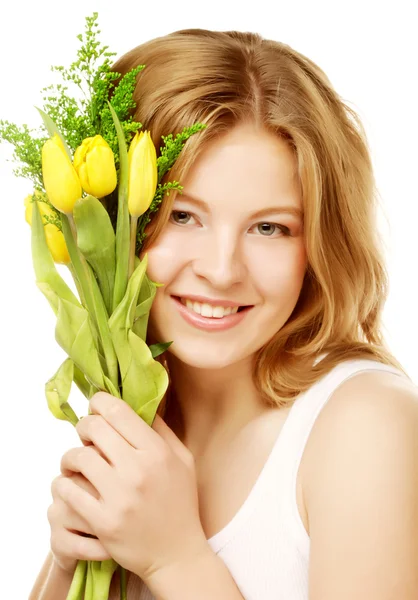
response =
{"points": [[143, 173], [94, 163], [61, 181], [54, 237], [56, 244]]}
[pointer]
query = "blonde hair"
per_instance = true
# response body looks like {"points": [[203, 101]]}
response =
{"points": [[225, 78]]}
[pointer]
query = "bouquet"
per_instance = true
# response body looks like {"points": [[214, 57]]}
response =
{"points": [[96, 181]]}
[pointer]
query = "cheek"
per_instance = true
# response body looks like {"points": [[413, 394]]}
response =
{"points": [[164, 259], [281, 275]]}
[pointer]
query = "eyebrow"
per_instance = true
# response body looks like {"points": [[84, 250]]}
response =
{"points": [[290, 209]]}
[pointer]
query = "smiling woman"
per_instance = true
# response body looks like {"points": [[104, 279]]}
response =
{"points": [[294, 422]]}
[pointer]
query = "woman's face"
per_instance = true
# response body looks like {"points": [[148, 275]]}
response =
{"points": [[217, 247]]}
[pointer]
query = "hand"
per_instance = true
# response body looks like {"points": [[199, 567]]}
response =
{"points": [[147, 513], [68, 529]]}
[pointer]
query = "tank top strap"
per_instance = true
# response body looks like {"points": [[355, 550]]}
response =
{"points": [[303, 415]]}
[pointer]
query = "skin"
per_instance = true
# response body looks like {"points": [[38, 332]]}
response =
{"points": [[224, 252]]}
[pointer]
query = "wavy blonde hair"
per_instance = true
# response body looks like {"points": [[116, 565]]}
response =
{"points": [[225, 78]]}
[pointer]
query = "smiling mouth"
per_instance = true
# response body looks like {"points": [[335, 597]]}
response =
{"points": [[240, 308]]}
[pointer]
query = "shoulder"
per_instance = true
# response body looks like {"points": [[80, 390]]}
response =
{"points": [[361, 491]]}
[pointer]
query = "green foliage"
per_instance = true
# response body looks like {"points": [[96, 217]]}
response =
{"points": [[123, 104], [91, 79], [27, 150]]}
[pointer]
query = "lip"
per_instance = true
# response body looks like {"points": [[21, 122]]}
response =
{"points": [[209, 323]]}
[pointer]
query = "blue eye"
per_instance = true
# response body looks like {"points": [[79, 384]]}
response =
{"points": [[270, 228]]}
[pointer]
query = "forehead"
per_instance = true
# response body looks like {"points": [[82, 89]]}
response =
{"points": [[253, 164]]}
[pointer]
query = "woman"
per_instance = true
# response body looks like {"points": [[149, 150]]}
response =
{"points": [[295, 428]]}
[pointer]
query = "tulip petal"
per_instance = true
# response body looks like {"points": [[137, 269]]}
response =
{"points": [[56, 244], [61, 181], [143, 175], [100, 164]]}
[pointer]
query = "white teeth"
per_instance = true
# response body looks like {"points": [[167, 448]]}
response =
{"points": [[207, 310], [218, 312]]}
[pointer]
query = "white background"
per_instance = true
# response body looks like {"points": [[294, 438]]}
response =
{"points": [[369, 51]]}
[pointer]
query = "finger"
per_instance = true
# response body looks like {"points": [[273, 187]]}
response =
{"points": [[125, 421], [86, 460], [80, 480], [61, 516], [111, 445], [90, 509], [78, 547], [85, 484]]}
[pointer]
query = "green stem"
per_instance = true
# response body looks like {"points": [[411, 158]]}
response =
{"points": [[132, 248], [89, 593], [77, 285], [102, 573], [122, 223], [123, 595], [102, 319], [76, 591], [78, 264]]}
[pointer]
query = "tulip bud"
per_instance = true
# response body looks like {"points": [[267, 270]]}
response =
{"points": [[143, 173], [56, 244], [94, 163], [54, 237], [61, 181]]}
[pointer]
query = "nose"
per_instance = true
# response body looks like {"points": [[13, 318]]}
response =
{"points": [[220, 260]]}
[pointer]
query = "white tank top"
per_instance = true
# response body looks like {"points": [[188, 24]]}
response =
{"points": [[265, 546]]}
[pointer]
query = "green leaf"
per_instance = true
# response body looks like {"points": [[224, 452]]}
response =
{"points": [[122, 224], [44, 266], [52, 129], [73, 332], [145, 300], [111, 388], [96, 240], [93, 298], [124, 314], [57, 391], [157, 349], [144, 380], [85, 387]]}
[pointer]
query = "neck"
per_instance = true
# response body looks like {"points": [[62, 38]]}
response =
{"points": [[210, 407]]}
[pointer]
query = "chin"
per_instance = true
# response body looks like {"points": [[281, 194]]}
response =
{"points": [[201, 355]]}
